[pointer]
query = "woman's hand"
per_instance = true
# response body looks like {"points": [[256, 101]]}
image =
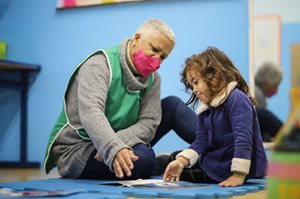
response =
{"points": [[235, 180], [123, 162], [175, 168], [98, 157]]}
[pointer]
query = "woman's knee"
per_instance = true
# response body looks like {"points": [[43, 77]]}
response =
{"points": [[171, 105], [171, 100], [146, 154], [145, 164]]}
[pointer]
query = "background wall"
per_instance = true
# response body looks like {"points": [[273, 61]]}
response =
{"points": [[288, 10], [59, 40]]}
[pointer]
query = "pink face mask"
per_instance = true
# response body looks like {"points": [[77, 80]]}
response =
{"points": [[271, 92], [145, 64]]}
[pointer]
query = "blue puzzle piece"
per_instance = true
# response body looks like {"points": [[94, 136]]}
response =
{"points": [[94, 189]]}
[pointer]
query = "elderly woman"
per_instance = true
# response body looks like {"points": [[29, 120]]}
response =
{"points": [[267, 80], [112, 109]]}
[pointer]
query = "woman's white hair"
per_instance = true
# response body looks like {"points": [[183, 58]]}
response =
{"points": [[153, 26], [268, 73]]}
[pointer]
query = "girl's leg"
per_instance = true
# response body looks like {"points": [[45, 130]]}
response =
{"points": [[178, 117], [143, 167]]}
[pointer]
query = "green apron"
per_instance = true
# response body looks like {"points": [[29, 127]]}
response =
{"points": [[122, 107]]}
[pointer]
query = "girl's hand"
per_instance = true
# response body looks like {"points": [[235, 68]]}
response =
{"points": [[175, 168], [234, 180]]}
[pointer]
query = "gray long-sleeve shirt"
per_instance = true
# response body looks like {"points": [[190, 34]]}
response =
{"points": [[85, 104], [260, 97]]}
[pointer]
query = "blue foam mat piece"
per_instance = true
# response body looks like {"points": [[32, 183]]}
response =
{"points": [[94, 189]]}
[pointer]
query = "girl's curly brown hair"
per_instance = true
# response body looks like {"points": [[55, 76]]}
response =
{"points": [[216, 70]]}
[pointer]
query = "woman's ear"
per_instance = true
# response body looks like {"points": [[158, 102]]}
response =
{"points": [[135, 40], [137, 36]]}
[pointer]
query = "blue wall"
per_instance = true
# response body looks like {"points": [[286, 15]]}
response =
{"points": [[58, 40]]}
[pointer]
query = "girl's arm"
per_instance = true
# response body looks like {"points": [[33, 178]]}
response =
{"points": [[241, 113], [200, 143], [175, 168]]}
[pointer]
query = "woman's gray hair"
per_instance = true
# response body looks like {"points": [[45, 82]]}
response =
{"points": [[268, 73], [153, 26]]}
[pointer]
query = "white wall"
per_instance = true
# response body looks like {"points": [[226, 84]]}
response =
{"points": [[289, 10]]}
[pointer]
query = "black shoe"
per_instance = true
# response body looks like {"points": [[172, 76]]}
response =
{"points": [[161, 163]]}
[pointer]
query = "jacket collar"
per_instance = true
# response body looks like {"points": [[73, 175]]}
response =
{"points": [[219, 99]]}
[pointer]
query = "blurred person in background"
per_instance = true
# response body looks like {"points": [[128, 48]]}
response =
{"points": [[267, 80]]}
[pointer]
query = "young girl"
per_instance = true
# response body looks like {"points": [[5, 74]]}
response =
{"points": [[228, 148]]}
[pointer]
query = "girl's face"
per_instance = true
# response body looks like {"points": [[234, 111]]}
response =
{"points": [[197, 84]]}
